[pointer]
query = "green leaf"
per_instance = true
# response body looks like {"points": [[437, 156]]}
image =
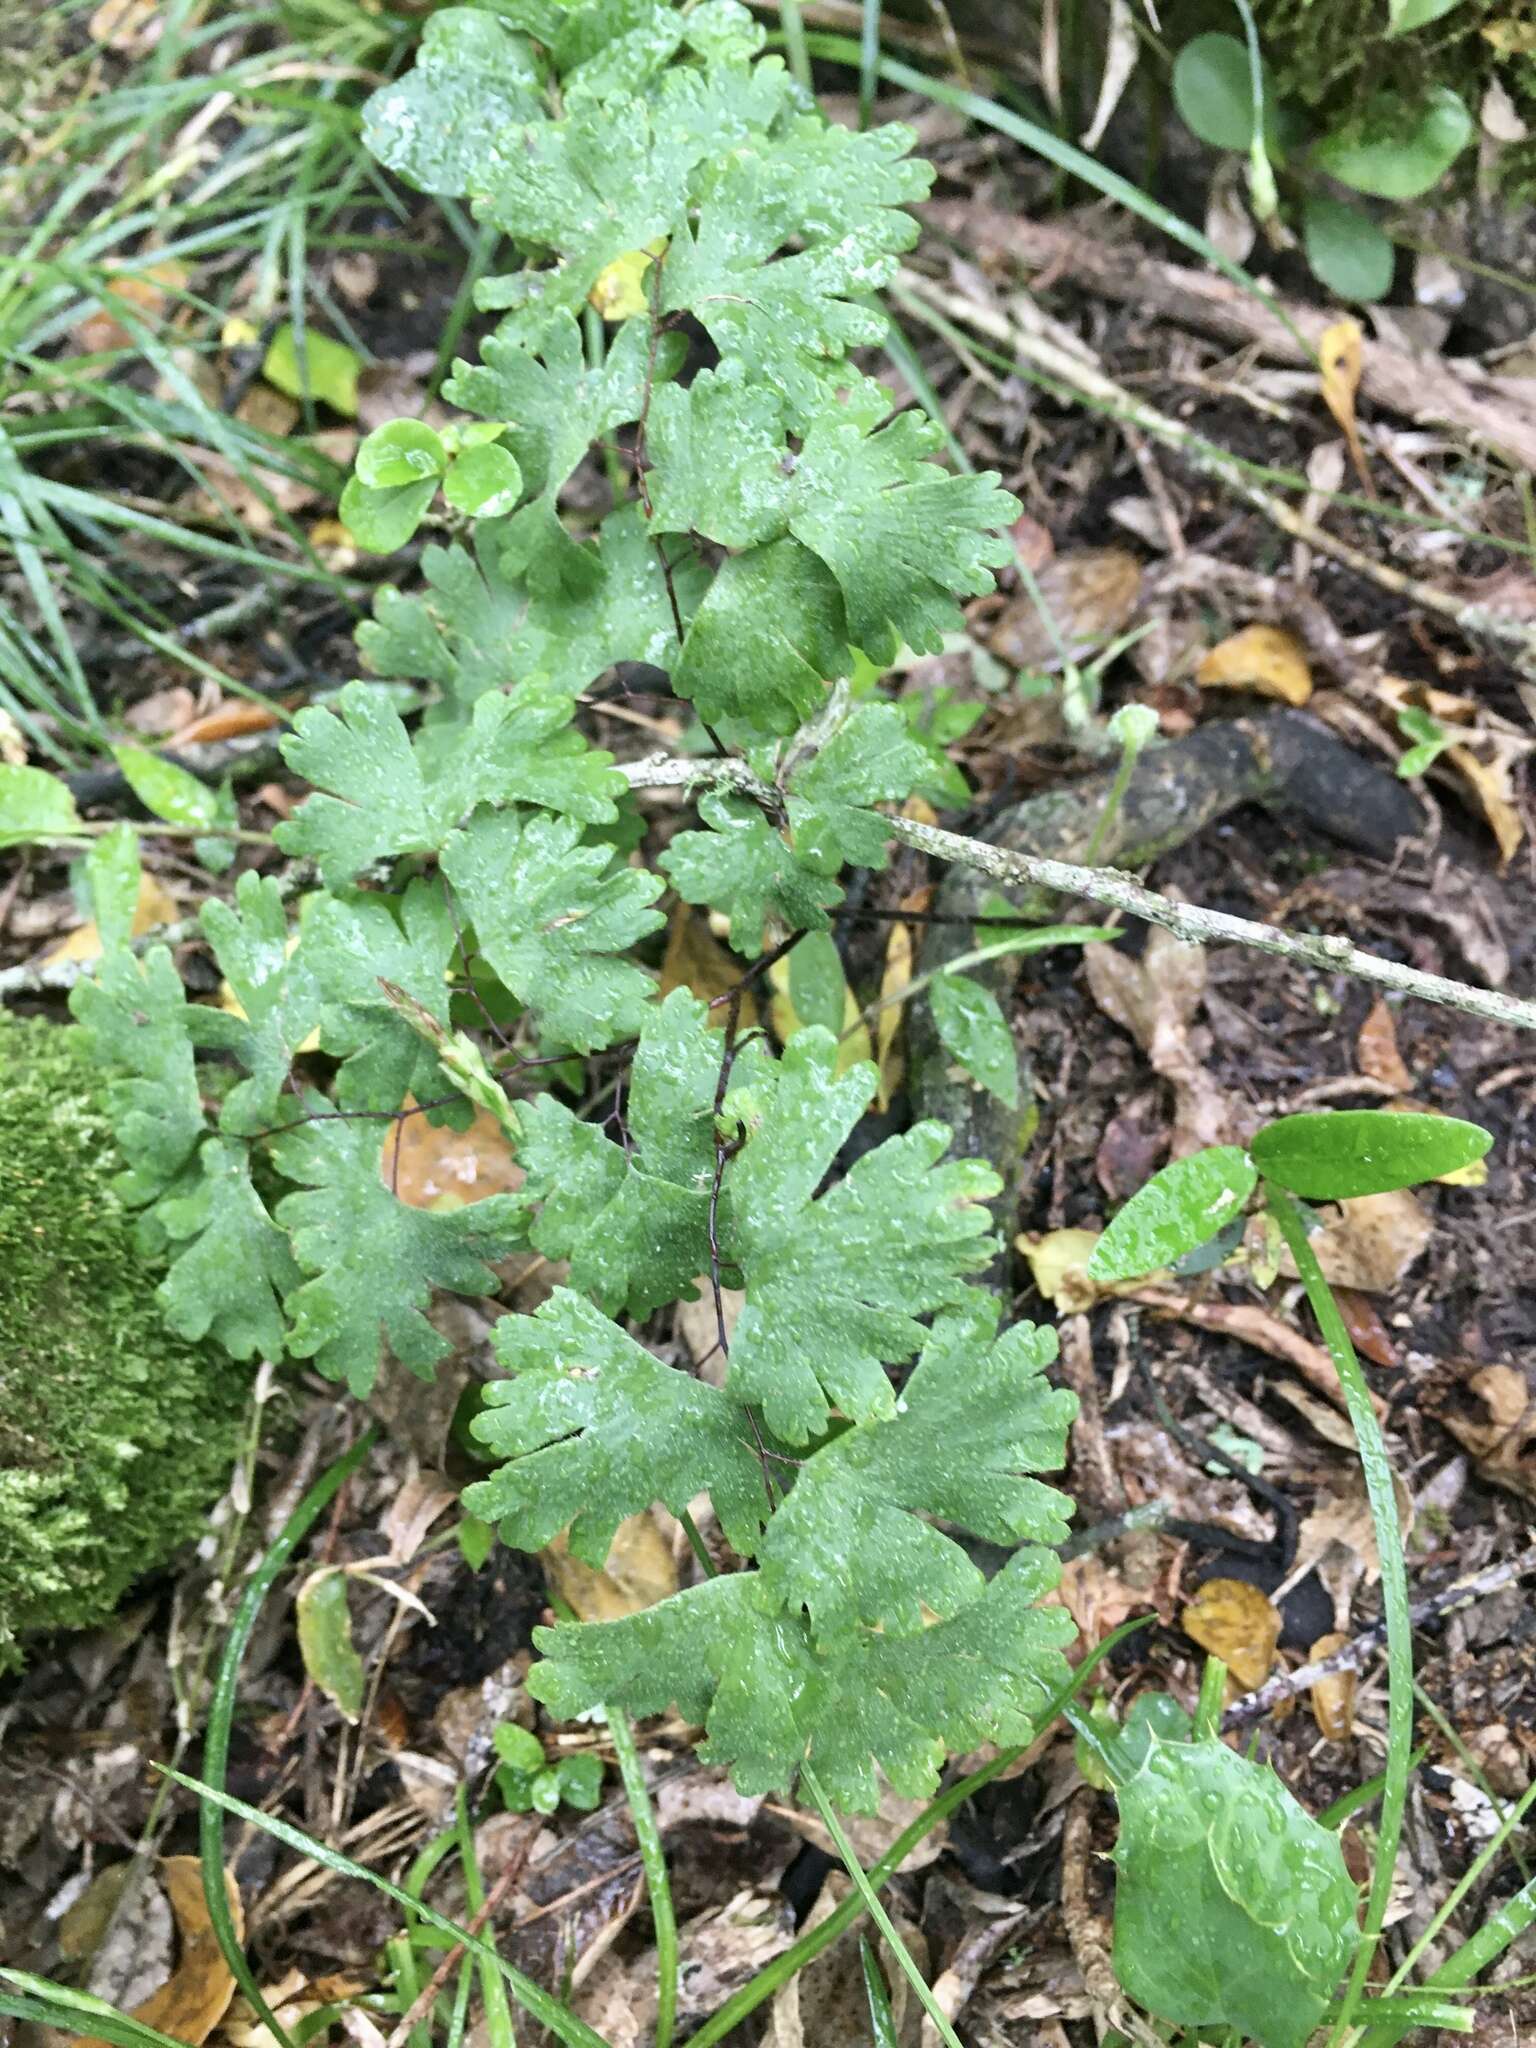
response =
{"points": [[745, 868], [593, 1428], [1213, 90], [318, 367], [450, 126], [835, 1285], [135, 1015], [550, 915], [484, 482], [170, 792], [1331, 1155], [871, 759], [729, 1658], [461, 635], [230, 1279], [769, 636], [112, 877], [632, 1218], [855, 1542], [902, 538], [325, 1641], [1407, 15], [383, 794], [793, 317], [271, 981], [722, 461], [1232, 1906], [1120, 1752], [373, 1261], [973, 1028], [518, 1747], [401, 452], [382, 521], [1181, 1207], [1398, 151], [818, 987], [352, 946], [34, 805], [581, 1781], [1347, 251]]}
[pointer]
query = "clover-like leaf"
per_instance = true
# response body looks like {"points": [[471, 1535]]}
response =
{"points": [[594, 1428], [835, 1285], [550, 917], [232, 1267], [855, 1541], [728, 1657], [372, 1261]]}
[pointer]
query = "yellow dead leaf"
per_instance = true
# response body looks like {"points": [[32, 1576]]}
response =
{"points": [[920, 811], [1333, 1698], [156, 906], [1511, 38], [238, 332], [1237, 1623], [128, 26], [196, 1996], [1491, 783], [696, 960], [1340, 354], [431, 1166], [622, 287], [13, 748], [895, 982], [639, 1572], [854, 1042], [1267, 659], [1058, 1263]]}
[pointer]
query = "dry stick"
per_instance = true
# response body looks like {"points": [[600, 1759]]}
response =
{"points": [[1516, 637], [1461, 1594], [1120, 891]]}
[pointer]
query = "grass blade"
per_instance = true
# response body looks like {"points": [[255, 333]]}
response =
{"points": [[657, 1883]]}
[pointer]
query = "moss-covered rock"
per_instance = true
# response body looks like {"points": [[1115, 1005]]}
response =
{"points": [[115, 1434]]}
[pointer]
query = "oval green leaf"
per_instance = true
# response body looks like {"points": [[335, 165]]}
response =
{"points": [[34, 805], [170, 792], [325, 1641], [381, 521], [1333, 1154], [972, 1027], [1213, 91], [400, 452], [484, 481], [1178, 1210], [322, 368], [1407, 15], [1347, 251], [1396, 154]]}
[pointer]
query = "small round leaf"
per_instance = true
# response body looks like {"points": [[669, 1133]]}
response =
{"points": [[485, 481], [1178, 1209], [400, 452], [1213, 91], [1331, 1155], [1347, 250], [382, 521], [1394, 154]]}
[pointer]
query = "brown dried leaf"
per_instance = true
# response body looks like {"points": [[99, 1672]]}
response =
{"points": [[1096, 1597], [639, 1572], [1089, 594], [696, 960], [231, 718], [131, 27], [1503, 1443], [1491, 782], [1237, 1623], [1266, 659], [196, 1996], [1372, 1241], [431, 1166], [1156, 999], [1376, 1052], [1340, 357], [1333, 1698]]}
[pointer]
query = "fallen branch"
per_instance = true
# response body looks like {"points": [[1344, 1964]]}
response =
{"points": [[1494, 411], [1118, 891], [1463, 1593], [1070, 370]]}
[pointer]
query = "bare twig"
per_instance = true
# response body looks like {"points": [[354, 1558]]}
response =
{"points": [[1287, 1684], [1119, 891]]}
